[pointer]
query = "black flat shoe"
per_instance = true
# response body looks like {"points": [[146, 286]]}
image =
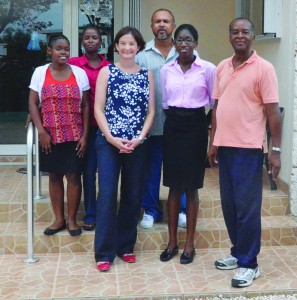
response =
{"points": [[187, 258], [50, 231], [167, 254], [74, 232]]}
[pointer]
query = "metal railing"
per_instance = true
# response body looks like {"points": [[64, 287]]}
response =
{"points": [[30, 209], [37, 168]]}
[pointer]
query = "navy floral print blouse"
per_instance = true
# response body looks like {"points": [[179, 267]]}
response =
{"points": [[127, 102]]}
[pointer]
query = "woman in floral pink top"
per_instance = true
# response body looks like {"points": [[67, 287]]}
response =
{"points": [[59, 107]]}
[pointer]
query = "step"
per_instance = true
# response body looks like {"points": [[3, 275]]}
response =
{"points": [[277, 205], [66, 268], [210, 233], [74, 276], [13, 198]]}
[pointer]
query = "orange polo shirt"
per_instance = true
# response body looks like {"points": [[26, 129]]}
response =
{"points": [[241, 95]]}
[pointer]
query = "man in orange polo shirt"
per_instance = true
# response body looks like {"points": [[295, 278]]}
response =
{"points": [[246, 93]]}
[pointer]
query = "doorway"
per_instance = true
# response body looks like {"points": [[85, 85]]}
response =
{"points": [[24, 30], [23, 33]]}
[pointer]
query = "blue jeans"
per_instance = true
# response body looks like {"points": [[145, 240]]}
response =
{"points": [[89, 178], [151, 186], [240, 172], [116, 228]]}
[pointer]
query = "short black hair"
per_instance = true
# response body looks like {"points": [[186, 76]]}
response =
{"points": [[241, 18], [135, 33], [163, 9], [188, 27], [90, 26], [55, 37]]}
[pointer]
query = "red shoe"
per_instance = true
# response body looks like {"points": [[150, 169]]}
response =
{"points": [[129, 258], [103, 266]]}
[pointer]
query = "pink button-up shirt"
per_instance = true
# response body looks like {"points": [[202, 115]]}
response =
{"points": [[92, 74], [192, 89]]}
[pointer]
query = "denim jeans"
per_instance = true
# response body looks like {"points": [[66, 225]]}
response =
{"points": [[151, 186], [240, 173], [116, 228], [89, 178]]}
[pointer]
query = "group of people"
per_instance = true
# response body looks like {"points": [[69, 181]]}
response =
{"points": [[125, 119]]}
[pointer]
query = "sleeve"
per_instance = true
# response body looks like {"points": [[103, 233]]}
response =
{"points": [[163, 88], [269, 86], [35, 80], [85, 81], [216, 90], [210, 83]]}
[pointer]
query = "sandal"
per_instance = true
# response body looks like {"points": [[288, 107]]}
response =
{"points": [[89, 226]]}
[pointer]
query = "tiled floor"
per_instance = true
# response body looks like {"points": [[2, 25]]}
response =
{"points": [[72, 274]]}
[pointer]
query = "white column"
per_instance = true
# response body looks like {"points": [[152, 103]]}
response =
{"points": [[293, 186], [70, 24], [132, 13]]}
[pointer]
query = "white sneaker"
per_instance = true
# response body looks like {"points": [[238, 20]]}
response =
{"points": [[244, 277], [147, 221], [182, 220], [226, 263]]}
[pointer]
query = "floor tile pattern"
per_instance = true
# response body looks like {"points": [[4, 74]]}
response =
{"points": [[66, 268], [13, 198], [74, 276]]}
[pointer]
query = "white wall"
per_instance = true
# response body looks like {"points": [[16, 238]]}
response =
{"points": [[210, 17], [293, 187], [281, 54]]}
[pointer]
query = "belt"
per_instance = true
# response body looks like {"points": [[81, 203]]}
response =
{"points": [[184, 112]]}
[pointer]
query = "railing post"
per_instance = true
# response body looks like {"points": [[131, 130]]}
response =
{"points": [[37, 168], [30, 219]]}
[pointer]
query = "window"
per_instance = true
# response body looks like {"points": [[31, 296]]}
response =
{"points": [[265, 14]]}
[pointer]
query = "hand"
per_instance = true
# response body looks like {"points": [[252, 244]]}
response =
{"points": [[212, 156], [29, 119], [134, 143], [81, 147], [45, 141], [122, 144], [274, 164]]}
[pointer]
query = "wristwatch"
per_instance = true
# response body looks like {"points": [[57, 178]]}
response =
{"points": [[276, 149]]}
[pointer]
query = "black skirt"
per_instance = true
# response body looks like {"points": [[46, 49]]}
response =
{"points": [[185, 148], [62, 159]]}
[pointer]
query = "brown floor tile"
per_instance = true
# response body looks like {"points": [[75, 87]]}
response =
{"points": [[72, 274]]}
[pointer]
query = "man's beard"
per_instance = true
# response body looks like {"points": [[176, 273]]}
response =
{"points": [[161, 37]]}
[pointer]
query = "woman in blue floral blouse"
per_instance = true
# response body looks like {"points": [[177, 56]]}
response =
{"points": [[124, 110]]}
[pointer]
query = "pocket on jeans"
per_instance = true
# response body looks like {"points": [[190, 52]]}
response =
{"points": [[100, 140]]}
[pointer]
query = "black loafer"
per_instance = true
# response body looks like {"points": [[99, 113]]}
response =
{"points": [[74, 232], [50, 231], [187, 258], [167, 254]]}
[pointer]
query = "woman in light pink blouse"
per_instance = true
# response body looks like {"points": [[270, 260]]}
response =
{"points": [[186, 89]]}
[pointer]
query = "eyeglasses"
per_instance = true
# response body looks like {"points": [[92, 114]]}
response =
{"points": [[187, 41]]}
